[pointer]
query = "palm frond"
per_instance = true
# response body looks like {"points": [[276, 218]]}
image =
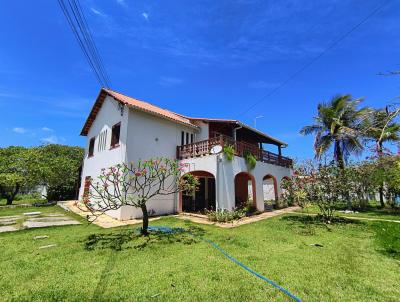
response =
{"points": [[307, 130], [322, 144]]}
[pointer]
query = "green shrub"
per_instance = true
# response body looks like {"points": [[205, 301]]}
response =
{"points": [[250, 159], [225, 215], [281, 204], [229, 152], [249, 208], [28, 196]]}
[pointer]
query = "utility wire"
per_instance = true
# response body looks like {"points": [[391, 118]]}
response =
{"points": [[80, 29], [89, 37], [312, 61], [76, 34]]}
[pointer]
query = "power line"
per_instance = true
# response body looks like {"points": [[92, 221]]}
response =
{"points": [[77, 22], [312, 61], [89, 37]]}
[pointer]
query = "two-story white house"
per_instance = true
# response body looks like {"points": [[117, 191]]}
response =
{"points": [[123, 129]]}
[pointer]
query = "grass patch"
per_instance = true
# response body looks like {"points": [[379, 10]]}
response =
{"points": [[388, 239], [372, 211], [90, 263], [24, 199], [20, 210]]}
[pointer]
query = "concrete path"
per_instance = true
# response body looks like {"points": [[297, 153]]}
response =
{"points": [[245, 220], [103, 221], [30, 220]]}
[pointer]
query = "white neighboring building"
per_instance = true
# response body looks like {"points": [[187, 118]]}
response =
{"points": [[122, 129]]}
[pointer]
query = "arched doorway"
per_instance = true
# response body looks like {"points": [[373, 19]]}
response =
{"points": [[245, 189], [203, 198], [270, 188]]}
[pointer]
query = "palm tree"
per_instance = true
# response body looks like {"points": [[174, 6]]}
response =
{"points": [[338, 123], [382, 128]]}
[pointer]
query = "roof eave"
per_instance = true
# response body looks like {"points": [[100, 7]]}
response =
{"points": [[159, 115], [277, 141], [84, 131]]}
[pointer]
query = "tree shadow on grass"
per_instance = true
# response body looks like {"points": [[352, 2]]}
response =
{"points": [[387, 238], [307, 224], [319, 220], [129, 239]]}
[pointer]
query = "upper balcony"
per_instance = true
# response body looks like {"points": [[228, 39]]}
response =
{"points": [[203, 148]]}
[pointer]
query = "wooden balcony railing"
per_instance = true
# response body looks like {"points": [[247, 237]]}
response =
{"points": [[203, 148]]}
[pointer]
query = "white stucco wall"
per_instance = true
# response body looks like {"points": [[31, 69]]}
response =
{"points": [[150, 136], [108, 115], [144, 136], [203, 132], [225, 172]]}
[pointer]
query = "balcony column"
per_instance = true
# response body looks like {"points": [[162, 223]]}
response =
{"points": [[279, 150]]}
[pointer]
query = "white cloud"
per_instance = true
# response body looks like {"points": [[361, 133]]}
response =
{"points": [[19, 130], [53, 139], [47, 129], [170, 81], [97, 12], [262, 85], [122, 3], [145, 15], [50, 140]]}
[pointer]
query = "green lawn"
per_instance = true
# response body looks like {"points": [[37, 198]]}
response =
{"points": [[22, 201], [372, 211], [359, 261]]}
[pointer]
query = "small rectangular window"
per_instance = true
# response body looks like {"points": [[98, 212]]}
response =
{"points": [[192, 138], [100, 141], [86, 188], [115, 132], [182, 138], [187, 138], [91, 146]]}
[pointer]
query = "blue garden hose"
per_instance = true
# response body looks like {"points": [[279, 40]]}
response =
{"points": [[168, 230]]}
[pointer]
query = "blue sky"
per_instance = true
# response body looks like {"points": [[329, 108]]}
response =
{"points": [[195, 57]]}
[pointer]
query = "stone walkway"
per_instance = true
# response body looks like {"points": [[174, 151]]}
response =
{"points": [[34, 220], [103, 221], [245, 220]]}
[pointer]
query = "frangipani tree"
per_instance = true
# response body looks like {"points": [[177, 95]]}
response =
{"points": [[134, 184]]}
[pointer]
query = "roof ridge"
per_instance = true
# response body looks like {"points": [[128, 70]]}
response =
{"points": [[146, 102]]}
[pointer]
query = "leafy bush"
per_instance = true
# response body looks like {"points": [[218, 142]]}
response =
{"points": [[249, 208], [55, 166], [29, 196], [293, 192], [60, 170], [281, 204], [250, 159], [229, 152], [269, 204], [225, 215], [322, 185]]}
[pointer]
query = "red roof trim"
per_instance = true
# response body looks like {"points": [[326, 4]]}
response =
{"points": [[152, 109], [134, 103]]}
